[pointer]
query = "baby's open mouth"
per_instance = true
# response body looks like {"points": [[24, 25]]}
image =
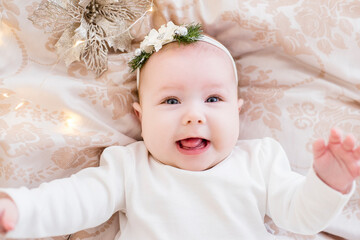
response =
{"points": [[193, 144]]}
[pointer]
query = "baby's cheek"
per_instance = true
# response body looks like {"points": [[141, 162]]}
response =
{"points": [[230, 130]]}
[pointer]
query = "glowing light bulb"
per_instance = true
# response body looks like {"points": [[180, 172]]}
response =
{"points": [[70, 122], [4, 31], [151, 8], [19, 105], [5, 95], [78, 42]]}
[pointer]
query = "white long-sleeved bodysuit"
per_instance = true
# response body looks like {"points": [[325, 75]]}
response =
{"points": [[160, 202]]}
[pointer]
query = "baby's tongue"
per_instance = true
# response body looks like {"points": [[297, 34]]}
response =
{"points": [[191, 142]]}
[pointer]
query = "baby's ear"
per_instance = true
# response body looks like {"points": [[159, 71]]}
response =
{"points": [[240, 103], [137, 110]]}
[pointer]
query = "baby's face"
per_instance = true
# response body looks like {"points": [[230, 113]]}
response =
{"points": [[189, 109]]}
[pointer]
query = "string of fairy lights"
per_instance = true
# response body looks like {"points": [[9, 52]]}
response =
{"points": [[72, 119]]}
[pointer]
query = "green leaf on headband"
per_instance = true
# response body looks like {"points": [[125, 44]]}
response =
{"points": [[139, 61], [194, 33]]}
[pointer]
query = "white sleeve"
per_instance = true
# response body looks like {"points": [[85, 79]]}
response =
{"points": [[84, 200], [304, 205]]}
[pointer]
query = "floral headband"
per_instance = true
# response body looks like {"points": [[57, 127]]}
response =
{"points": [[168, 33]]}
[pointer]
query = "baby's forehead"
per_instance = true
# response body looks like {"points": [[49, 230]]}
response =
{"points": [[197, 52], [186, 61], [193, 48], [177, 56]]}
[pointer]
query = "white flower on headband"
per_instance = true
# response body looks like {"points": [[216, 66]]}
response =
{"points": [[149, 42], [167, 33], [156, 39]]}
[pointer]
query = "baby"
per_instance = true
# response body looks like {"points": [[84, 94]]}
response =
{"points": [[191, 178]]}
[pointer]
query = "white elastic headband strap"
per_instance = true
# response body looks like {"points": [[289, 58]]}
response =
{"points": [[207, 39]]}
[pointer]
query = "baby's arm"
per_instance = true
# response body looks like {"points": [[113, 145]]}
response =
{"points": [[63, 206], [8, 214], [301, 205], [337, 163]]}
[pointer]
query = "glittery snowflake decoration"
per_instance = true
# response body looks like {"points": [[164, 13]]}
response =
{"points": [[89, 28]]}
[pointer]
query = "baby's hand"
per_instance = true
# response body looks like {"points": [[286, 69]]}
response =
{"points": [[338, 163], [8, 215]]}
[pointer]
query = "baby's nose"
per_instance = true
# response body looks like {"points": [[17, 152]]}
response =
{"points": [[194, 117]]}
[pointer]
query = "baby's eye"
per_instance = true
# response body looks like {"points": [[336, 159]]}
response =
{"points": [[171, 101], [213, 99]]}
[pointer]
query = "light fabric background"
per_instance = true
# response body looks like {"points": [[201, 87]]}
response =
{"points": [[298, 64]]}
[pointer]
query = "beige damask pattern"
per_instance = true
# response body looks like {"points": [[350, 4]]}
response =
{"points": [[297, 62], [10, 11]]}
